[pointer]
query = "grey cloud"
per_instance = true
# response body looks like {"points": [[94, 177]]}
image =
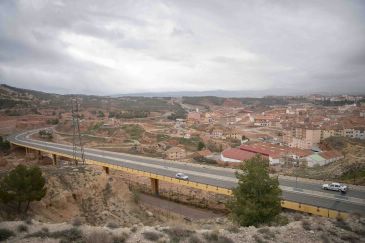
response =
{"points": [[125, 46]]}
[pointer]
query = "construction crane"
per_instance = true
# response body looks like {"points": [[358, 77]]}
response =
{"points": [[76, 131]]}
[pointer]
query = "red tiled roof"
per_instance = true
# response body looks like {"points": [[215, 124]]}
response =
{"points": [[331, 154], [238, 154], [272, 150]]}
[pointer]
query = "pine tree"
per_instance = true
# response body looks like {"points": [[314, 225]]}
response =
{"points": [[23, 185], [256, 199]]}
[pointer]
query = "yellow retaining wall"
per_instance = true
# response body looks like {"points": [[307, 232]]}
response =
{"points": [[313, 210], [285, 204]]}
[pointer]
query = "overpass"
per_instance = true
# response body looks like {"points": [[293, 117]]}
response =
{"points": [[301, 195]]}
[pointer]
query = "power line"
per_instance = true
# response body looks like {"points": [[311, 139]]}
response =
{"points": [[76, 132]]}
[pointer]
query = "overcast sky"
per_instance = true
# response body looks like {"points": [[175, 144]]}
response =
{"points": [[122, 46]]}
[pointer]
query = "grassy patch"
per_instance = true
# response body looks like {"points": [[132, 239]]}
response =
{"points": [[133, 130], [69, 235], [215, 237]]}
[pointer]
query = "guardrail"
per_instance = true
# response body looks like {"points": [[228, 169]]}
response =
{"points": [[215, 189]]}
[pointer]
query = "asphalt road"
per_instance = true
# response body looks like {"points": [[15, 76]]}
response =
{"points": [[301, 191]]}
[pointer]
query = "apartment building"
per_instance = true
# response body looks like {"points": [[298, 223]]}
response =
{"points": [[303, 138], [176, 153]]}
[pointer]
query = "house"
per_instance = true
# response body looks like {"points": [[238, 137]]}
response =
{"points": [[301, 137], [176, 153], [323, 158], [236, 155], [233, 133], [274, 152], [194, 117], [217, 133]]}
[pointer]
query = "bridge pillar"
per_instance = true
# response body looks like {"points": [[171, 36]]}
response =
{"points": [[39, 155], [154, 186], [106, 169], [26, 154], [54, 159]]}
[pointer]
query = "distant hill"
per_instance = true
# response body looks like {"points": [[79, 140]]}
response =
{"points": [[218, 93]]}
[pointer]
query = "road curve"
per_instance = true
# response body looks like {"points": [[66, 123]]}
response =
{"points": [[301, 191]]}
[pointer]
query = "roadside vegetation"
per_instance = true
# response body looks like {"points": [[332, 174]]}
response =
{"points": [[21, 186], [256, 199]]}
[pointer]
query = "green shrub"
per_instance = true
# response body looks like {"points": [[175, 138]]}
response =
{"points": [[306, 225], [176, 233], [152, 236], [120, 238], [70, 235], [224, 239], [99, 237], [325, 238], [342, 224], [211, 236], [22, 228], [233, 228], [259, 239], [5, 234], [134, 229], [194, 239], [28, 221], [112, 225], [267, 233], [350, 237]]}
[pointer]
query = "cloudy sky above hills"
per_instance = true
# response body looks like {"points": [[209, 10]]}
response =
{"points": [[109, 47]]}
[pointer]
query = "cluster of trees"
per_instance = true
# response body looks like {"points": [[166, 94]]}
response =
{"points": [[101, 114], [179, 113], [202, 100], [10, 103], [45, 133], [53, 121], [21, 186], [129, 114]]}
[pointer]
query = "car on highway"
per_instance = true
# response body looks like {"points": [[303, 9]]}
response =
{"points": [[335, 187], [182, 176]]}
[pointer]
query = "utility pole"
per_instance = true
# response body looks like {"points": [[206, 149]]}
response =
{"points": [[76, 131]]}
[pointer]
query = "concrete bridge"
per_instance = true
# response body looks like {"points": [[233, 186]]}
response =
{"points": [[302, 195]]}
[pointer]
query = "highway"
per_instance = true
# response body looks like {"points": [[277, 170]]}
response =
{"points": [[307, 192]]}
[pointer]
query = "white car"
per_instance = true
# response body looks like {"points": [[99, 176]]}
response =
{"points": [[182, 176], [335, 187]]}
